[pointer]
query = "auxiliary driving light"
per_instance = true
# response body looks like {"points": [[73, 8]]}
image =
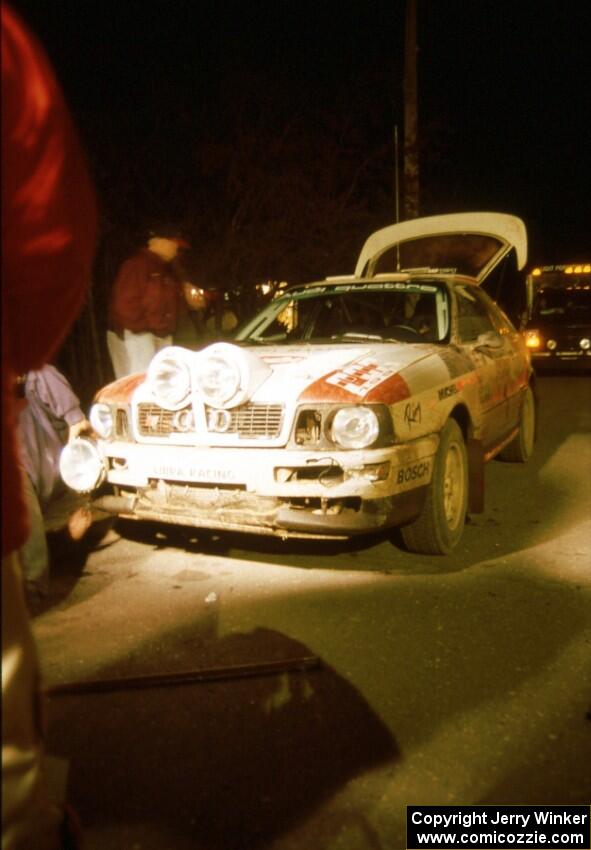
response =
{"points": [[169, 376], [81, 466], [226, 375]]}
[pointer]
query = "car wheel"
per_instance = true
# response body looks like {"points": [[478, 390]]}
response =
{"points": [[439, 527], [521, 448]]}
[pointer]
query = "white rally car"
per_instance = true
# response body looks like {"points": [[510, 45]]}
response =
{"points": [[347, 406]]}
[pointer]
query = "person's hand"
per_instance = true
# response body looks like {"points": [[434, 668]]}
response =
{"points": [[79, 522], [81, 427]]}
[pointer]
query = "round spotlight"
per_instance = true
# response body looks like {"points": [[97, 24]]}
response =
{"points": [[169, 377], [81, 465]]}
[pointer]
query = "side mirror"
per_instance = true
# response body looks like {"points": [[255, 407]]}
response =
{"points": [[488, 340]]}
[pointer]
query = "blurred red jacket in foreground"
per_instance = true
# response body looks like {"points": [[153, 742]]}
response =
{"points": [[48, 235]]}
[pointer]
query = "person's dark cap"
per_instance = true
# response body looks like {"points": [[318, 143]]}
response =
{"points": [[167, 231]]}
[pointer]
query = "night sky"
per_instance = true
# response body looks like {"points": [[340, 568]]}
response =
{"points": [[504, 99]]}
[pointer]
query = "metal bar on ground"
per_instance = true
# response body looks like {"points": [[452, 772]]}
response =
{"points": [[187, 677]]}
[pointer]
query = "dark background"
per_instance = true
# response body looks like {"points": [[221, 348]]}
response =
{"points": [[267, 129]]}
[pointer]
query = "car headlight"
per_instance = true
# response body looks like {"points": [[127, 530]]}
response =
{"points": [[169, 376], [81, 466], [101, 419], [355, 427]]}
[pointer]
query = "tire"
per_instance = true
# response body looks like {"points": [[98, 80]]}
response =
{"points": [[520, 449], [440, 526]]}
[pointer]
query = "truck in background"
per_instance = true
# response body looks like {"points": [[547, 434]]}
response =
{"points": [[558, 325]]}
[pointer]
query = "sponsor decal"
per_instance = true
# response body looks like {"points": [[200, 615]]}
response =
{"points": [[412, 414], [446, 392], [415, 472], [361, 377], [181, 473], [364, 379]]}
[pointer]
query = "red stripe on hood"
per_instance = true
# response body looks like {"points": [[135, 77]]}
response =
{"points": [[390, 391], [120, 391]]}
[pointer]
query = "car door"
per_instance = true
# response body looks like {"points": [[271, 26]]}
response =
{"points": [[516, 369], [491, 352]]}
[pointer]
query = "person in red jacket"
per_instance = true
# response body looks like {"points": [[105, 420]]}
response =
{"points": [[145, 304], [48, 244]]}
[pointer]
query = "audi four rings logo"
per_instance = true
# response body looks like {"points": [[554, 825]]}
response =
{"points": [[219, 420], [183, 420]]}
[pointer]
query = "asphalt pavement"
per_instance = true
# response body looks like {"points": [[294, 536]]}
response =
{"points": [[326, 687]]}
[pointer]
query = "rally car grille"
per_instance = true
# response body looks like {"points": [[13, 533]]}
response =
{"points": [[155, 421], [249, 421]]}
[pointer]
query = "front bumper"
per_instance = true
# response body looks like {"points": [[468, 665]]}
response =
{"points": [[270, 491]]}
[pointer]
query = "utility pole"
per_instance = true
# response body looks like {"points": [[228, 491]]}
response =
{"points": [[396, 177], [411, 147]]}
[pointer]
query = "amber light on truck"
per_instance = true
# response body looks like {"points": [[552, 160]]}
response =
{"points": [[533, 339]]}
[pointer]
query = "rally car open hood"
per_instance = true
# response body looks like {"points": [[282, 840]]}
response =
{"points": [[466, 243]]}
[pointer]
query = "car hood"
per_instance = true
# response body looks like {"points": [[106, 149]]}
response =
{"points": [[355, 373], [352, 373], [467, 243]]}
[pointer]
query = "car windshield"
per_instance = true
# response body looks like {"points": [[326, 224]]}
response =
{"points": [[353, 313], [566, 304]]}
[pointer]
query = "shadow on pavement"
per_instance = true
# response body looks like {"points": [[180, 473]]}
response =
{"points": [[230, 764]]}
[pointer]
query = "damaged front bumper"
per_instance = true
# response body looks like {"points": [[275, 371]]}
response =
{"points": [[269, 491]]}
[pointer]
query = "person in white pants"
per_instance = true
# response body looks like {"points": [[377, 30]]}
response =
{"points": [[145, 303]]}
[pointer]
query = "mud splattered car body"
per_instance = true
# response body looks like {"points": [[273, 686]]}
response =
{"points": [[347, 406]]}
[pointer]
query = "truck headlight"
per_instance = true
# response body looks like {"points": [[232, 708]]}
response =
{"points": [[169, 376], [81, 465], [355, 427], [101, 419]]}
